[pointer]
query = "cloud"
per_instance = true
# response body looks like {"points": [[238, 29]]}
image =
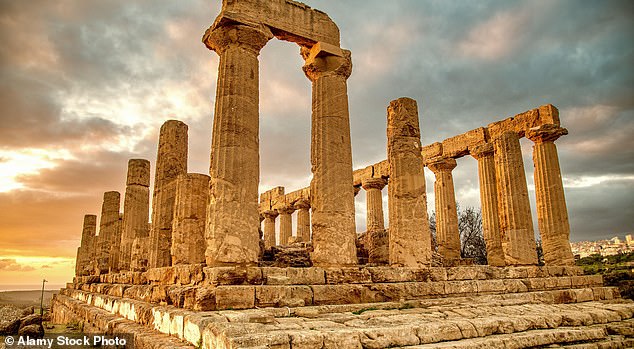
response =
{"points": [[8, 264]]}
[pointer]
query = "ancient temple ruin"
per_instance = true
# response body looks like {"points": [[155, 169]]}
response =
{"points": [[197, 275]]}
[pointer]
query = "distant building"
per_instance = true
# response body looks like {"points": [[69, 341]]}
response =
{"points": [[609, 247]]}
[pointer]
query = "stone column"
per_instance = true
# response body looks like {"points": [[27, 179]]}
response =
{"points": [[107, 230], [303, 220], [171, 160], [332, 198], [377, 240], [190, 211], [489, 203], [447, 233], [141, 251], [85, 252], [286, 223], [232, 219], [269, 228], [552, 214], [136, 208], [516, 224], [410, 237]]}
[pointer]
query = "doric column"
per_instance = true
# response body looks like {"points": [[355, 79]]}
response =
{"points": [[552, 214], [447, 234], [269, 228], [303, 220], [516, 224], [332, 198], [190, 211], [286, 223], [489, 203], [410, 237], [141, 251], [85, 252], [232, 218], [171, 160], [377, 240], [108, 225], [136, 208]]}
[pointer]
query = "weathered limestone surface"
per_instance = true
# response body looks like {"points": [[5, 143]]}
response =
{"points": [[86, 251], [303, 219], [108, 226], [516, 224], [171, 161], [410, 237], [286, 223], [269, 228], [190, 211], [520, 123], [233, 218], [489, 203], [447, 234], [552, 214], [458, 146], [377, 240], [331, 190], [136, 208]]}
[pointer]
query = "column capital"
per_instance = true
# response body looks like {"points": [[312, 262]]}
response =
{"points": [[302, 204], [285, 209], [270, 214], [373, 183], [442, 165], [545, 133], [481, 151], [221, 38], [323, 60]]}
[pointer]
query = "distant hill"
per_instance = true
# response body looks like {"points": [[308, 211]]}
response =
{"points": [[22, 299]]}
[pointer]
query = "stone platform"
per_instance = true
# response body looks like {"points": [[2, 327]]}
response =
{"points": [[364, 307]]}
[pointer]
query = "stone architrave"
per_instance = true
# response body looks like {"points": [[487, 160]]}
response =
{"points": [[377, 240], [286, 223], [171, 161], [232, 219], [409, 233], [489, 203], [269, 228], [85, 252], [190, 211], [516, 224], [332, 199], [108, 226], [552, 214], [136, 208], [303, 219], [447, 234]]}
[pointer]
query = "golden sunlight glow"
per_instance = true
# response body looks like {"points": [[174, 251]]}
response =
{"points": [[24, 162]]}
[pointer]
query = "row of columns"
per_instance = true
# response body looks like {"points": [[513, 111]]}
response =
{"points": [[284, 213]]}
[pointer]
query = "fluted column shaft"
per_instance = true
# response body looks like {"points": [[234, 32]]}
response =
{"points": [[303, 220], [332, 198], [410, 237], [108, 225], [516, 224], [233, 218], [377, 240], [552, 213], [85, 252], [286, 223], [136, 206], [171, 160], [269, 228], [190, 211], [447, 233], [489, 203]]}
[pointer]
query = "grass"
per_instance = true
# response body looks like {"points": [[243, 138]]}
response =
{"points": [[616, 271]]}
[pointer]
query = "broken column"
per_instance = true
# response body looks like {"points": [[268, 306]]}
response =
{"points": [[489, 203], [190, 211], [377, 240], [269, 228], [233, 218], [332, 198], [410, 237], [447, 234], [303, 220], [171, 161], [516, 224], [286, 223], [136, 208], [552, 214], [108, 226], [85, 252]]}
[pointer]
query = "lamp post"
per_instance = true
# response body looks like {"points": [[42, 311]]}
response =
{"points": [[42, 301]]}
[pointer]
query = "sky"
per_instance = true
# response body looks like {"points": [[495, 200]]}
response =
{"points": [[86, 84]]}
